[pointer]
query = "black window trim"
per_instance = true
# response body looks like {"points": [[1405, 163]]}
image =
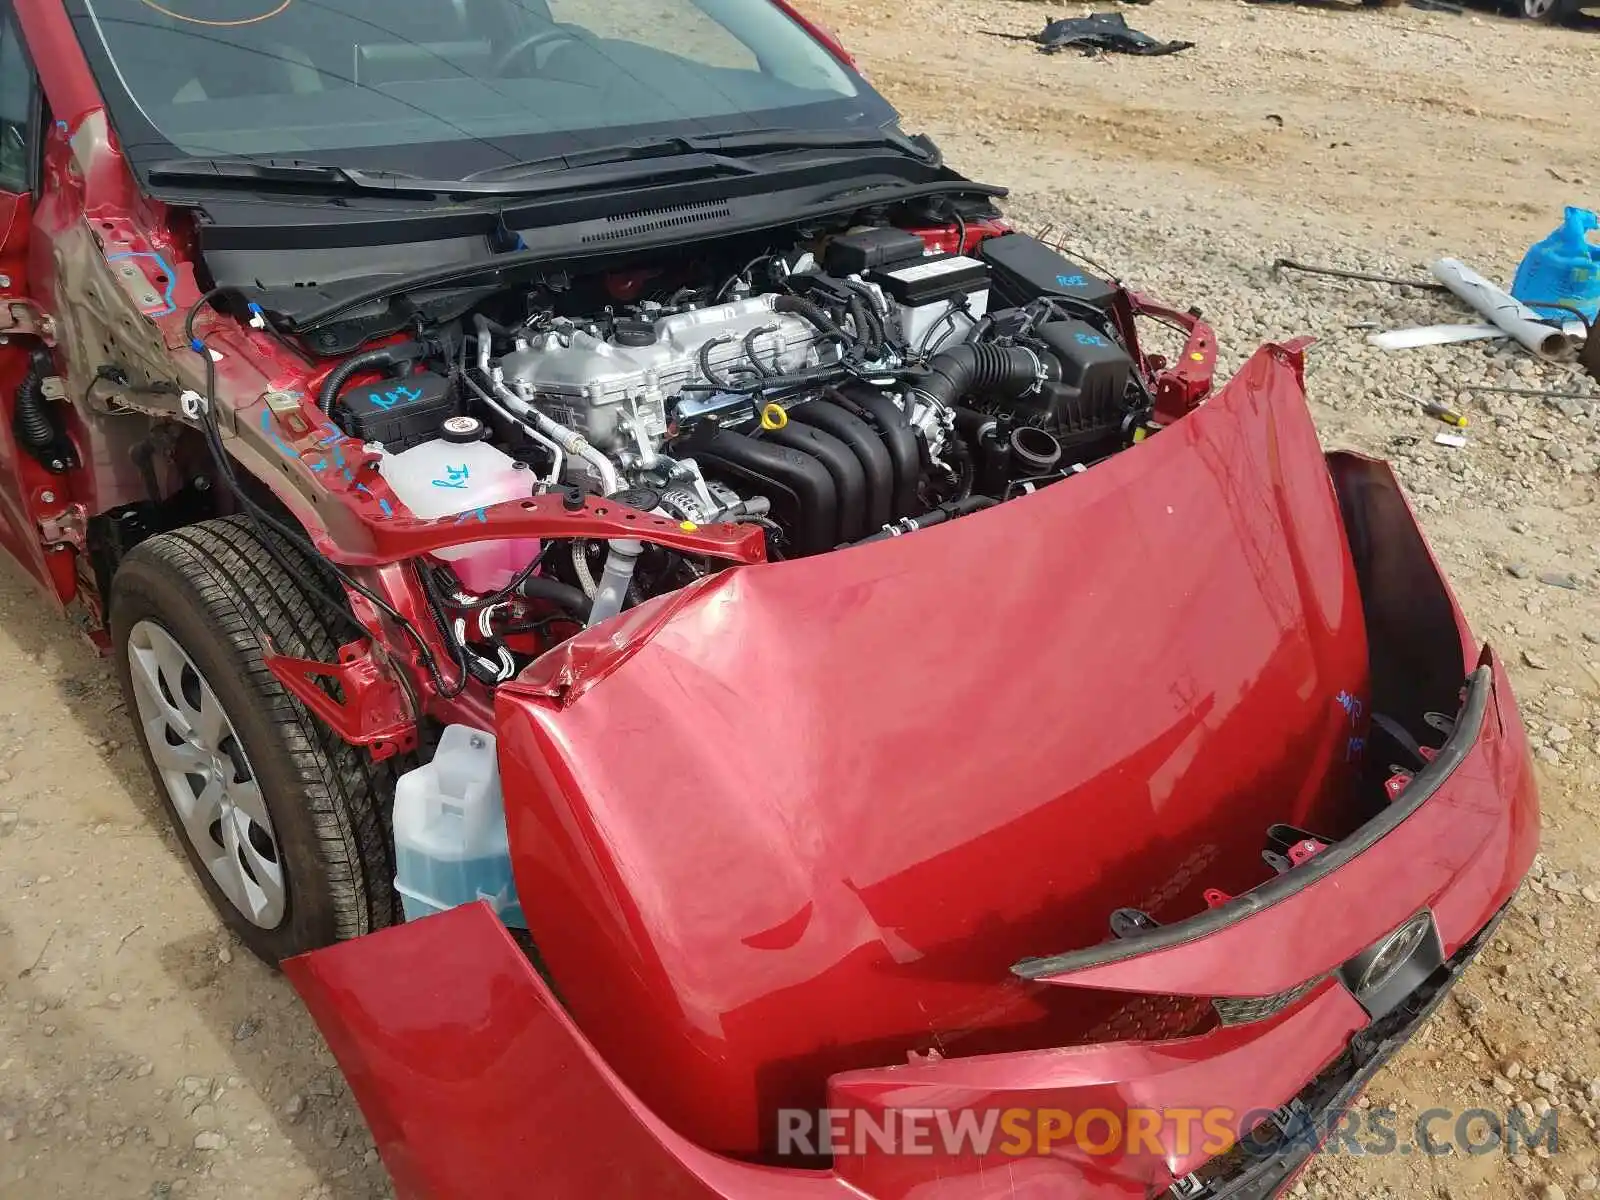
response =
{"points": [[38, 106]]}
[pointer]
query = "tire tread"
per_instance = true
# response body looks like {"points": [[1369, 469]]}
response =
{"points": [[246, 594]]}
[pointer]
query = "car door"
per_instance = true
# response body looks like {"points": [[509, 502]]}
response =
{"points": [[27, 488]]}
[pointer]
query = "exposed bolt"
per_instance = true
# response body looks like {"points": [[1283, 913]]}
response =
{"points": [[5, 281], [47, 497], [202, 483], [476, 742]]}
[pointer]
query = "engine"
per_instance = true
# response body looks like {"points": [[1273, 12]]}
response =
{"points": [[849, 388]]}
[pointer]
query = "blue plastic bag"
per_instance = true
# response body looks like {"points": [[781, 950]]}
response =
{"points": [[1565, 267]]}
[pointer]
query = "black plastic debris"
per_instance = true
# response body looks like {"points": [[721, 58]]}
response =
{"points": [[1095, 34]]}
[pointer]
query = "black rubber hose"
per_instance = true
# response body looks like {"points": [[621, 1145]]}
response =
{"points": [[33, 424], [754, 355], [382, 358], [945, 512], [563, 595], [991, 455], [867, 322], [867, 446], [876, 317], [970, 369], [899, 439], [1035, 450], [799, 306], [774, 386], [969, 505]]}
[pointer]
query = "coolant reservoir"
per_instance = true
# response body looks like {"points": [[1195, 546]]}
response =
{"points": [[450, 831], [444, 478]]}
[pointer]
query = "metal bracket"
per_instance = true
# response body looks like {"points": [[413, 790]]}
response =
{"points": [[375, 711], [1131, 922], [1291, 1119], [25, 318], [1289, 847], [67, 526]]}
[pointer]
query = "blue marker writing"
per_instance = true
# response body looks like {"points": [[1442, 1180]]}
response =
{"points": [[399, 395]]}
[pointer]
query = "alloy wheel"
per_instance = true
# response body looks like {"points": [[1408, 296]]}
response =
{"points": [[202, 763]]}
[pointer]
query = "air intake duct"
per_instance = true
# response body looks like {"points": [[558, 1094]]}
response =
{"points": [[987, 370]]}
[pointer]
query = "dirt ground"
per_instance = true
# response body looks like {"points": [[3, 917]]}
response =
{"points": [[142, 1054]]}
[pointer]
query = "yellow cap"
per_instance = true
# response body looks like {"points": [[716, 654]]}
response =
{"points": [[688, 526], [774, 416]]}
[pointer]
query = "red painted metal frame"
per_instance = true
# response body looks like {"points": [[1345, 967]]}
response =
{"points": [[821, 32], [374, 712]]}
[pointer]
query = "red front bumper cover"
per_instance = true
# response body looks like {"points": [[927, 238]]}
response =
{"points": [[477, 1083]]}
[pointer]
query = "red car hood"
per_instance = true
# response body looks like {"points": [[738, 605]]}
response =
{"points": [[804, 817]]}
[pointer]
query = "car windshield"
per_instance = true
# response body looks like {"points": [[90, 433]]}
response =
{"points": [[311, 78]]}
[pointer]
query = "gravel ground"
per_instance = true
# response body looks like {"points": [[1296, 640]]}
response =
{"points": [[141, 1054]]}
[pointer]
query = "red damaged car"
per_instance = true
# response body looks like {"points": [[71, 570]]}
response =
{"points": [[719, 668]]}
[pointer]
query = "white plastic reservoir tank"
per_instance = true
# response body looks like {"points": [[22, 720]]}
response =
{"points": [[445, 479], [450, 831]]}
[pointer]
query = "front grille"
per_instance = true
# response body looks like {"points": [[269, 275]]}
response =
{"points": [[1241, 1010], [1154, 1019]]}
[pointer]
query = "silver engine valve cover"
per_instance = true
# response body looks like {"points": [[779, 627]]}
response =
{"points": [[594, 386]]}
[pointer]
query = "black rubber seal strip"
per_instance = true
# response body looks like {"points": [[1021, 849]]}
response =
{"points": [[1480, 685]]}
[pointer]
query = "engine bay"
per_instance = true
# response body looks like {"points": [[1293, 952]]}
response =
{"points": [[843, 389]]}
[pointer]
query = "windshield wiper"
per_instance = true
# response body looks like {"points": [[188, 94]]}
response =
{"points": [[717, 145], [324, 177], [269, 170], [777, 138]]}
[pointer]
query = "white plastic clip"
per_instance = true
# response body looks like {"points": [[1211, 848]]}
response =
{"points": [[193, 405]]}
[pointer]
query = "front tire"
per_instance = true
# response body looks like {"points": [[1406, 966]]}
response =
{"points": [[281, 819], [1548, 11]]}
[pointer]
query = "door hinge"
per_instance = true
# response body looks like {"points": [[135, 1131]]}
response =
{"points": [[24, 318]]}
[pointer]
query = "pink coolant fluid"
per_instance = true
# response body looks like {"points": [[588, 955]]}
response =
{"points": [[462, 479]]}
